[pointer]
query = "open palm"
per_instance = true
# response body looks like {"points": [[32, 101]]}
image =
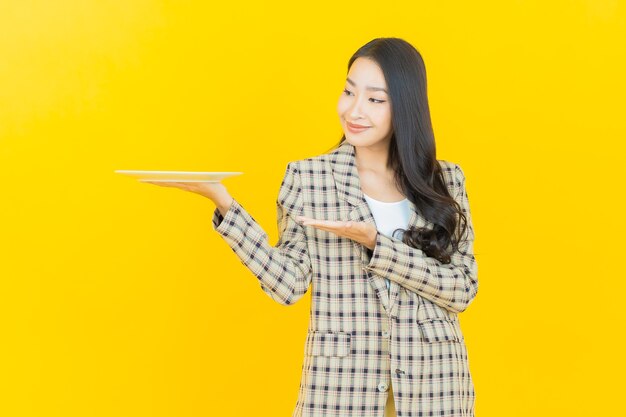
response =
{"points": [[361, 232]]}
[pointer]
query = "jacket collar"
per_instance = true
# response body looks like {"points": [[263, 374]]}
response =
{"points": [[348, 184]]}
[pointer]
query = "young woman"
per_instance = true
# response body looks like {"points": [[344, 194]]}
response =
{"points": [[381, 230]]}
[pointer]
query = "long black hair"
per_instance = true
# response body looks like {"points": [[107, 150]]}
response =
{"points": [[412, 152]]}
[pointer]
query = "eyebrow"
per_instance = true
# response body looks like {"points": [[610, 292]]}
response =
{"points": [[369, 88]]}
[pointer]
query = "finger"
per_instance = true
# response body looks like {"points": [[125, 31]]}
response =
{"points": [[337, 231], [333, 226], [324, 228], [167, 184], [326, 223], [310, 219], [349, 232]]}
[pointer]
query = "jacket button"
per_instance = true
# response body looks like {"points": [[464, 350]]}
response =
{"points": [[386, 333], [382, 386], [399, 371]]}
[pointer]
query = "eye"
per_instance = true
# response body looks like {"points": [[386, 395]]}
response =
{"points": [[375, 100]]}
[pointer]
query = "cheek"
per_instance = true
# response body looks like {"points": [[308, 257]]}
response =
{"points": [[342, 105], [382, 117]]}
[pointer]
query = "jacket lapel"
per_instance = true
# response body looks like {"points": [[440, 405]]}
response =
{"points": [[348, 186]]}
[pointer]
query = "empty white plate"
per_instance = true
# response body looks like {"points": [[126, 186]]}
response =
{"points": [[177, 176]]}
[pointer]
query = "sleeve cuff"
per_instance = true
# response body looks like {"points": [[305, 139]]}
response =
{"points": [[224, 224], [375, 258], [384, 253]]}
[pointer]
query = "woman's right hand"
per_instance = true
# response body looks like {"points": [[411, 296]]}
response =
{"points": [[214, 191]]}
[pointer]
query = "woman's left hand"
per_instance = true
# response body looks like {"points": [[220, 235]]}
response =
{"points": [[361, 232]]}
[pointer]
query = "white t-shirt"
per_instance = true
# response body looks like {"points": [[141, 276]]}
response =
{"points": [[389, 217]]}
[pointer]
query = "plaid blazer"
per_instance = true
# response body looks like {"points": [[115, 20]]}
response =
{"points": [[362, 338]]}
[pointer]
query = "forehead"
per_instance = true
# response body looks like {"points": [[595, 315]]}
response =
{"points": [[365, 72]]}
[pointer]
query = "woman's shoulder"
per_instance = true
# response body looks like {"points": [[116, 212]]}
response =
{"points": [[448, 167], [311, 162], [452, 174]]}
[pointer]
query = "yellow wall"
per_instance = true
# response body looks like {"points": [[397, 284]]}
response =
{"points": [[118, 298]]}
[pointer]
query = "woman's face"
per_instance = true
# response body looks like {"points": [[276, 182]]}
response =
{"points": [[365, 102]]}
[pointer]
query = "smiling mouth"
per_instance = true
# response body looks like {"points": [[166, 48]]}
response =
{"points": [[352, 125]]}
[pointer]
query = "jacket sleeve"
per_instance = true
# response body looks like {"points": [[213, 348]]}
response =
{"points": [[452, 286], [284, 270]]}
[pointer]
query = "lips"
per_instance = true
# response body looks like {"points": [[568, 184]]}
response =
{"points": [[354, 126], [355, 129]]}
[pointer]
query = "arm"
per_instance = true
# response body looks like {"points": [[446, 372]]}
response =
{"points": [[284, 270], [452, 286]]}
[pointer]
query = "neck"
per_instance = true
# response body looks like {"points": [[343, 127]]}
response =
{"points": [[372, 158]]}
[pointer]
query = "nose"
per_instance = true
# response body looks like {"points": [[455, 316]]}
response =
{"points": [[354, 111]]}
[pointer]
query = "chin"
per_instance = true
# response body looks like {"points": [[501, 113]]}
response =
{"points": [[358, 140], [351, 140]]}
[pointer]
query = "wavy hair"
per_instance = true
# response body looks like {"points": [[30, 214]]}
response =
{"points": [[412, 152]]}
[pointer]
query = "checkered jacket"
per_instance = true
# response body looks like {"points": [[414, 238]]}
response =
{"points": [[361, 336]]}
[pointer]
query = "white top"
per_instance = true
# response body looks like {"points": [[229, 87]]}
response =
{"points": [[389, 216]]}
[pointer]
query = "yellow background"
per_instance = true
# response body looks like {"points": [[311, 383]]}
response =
{"points": [[119, 299]]}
